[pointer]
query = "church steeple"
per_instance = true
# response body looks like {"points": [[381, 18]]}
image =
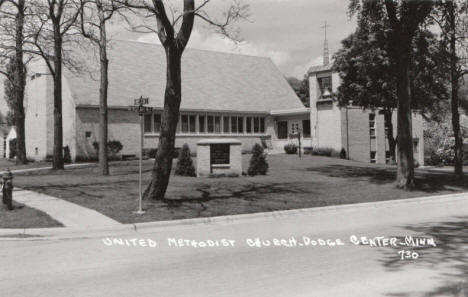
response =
{"points": [[326, 55]]}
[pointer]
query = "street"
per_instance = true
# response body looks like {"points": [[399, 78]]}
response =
{"points": [[321, 253]]}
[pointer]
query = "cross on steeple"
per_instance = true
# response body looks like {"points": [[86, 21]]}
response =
{"points": [[326, 56]]}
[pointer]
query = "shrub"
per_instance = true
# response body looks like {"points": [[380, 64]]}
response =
{"points": [[343, 153], [327, 152], [12, 152], [290, 149], [184, 165], [258, 163], [66, 154], [150, 153], [113, 147]]}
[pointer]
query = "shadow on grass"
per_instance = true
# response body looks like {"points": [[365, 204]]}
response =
{"points": [[426, 181], [248, 192], [451, 252], [375, 175]]}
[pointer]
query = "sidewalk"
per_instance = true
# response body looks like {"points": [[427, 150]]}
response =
{"points": [[67, 213]]}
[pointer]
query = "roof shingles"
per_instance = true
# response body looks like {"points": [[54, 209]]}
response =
{"points": [[210, 80]]}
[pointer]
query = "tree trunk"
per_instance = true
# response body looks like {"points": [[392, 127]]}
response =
{"points": [[172, 97], [458, 160], [103, 158], [405, 170], [20, 83], [391, 140], [57, 162]]}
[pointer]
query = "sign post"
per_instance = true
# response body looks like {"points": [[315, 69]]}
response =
{"points": [[141, 109], [297, 135]]}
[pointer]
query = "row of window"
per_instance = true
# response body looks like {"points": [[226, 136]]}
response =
{"points": [[194, 124], [372, 126]]}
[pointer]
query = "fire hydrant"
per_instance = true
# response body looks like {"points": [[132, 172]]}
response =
{"points": [[7, 189]]}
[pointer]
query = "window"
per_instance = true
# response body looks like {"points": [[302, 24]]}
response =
{"points": [[36, 151], [262, 125], [240, 124], [210, 124], [157, 123], [147, 123], [372, 157], [256, 125], [234, 124], [325, 86], [282, 130], [88, 134], [226, 124], [192, 121], [306, 128], [372, 125], [248, 125], [185, 123], [388, 157], [217, 124], [201, 124]]}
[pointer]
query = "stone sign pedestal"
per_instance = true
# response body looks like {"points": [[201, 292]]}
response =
{"points": [[219, 157]]}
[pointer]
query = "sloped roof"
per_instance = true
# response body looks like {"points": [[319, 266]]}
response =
{"points": [[210, 80], [320, 68]]}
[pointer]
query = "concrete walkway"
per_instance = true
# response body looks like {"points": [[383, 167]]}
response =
{"points": [[44, 168], [67, 213]]}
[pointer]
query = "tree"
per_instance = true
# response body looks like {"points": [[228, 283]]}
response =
{"points": [[301, 88], [404, 19], [363, 64], [95, 15], [54, 28], [174, 43], [452, 17], [14, 68]]}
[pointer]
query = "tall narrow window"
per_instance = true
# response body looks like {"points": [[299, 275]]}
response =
{"points": [[217, 124], [262, 125], [372, 156], [157, 123], [248, 125], [201, 124], [306, 128], [234, 124], [185, 123], [226, 124], [240, 124], [256, 125], [147, 123], [192, 121], [282, 130], [210, 124], [372, 125]]}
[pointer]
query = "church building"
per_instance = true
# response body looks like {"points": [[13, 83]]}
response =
{"points": [[223, 96]]}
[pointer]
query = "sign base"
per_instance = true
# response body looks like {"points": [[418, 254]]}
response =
{"points": [[139, 212]]}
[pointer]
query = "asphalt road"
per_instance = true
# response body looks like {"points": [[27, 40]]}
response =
{"points": [[110, 266]]}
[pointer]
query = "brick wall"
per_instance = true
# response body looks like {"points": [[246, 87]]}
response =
{"points": [[359, 137]]}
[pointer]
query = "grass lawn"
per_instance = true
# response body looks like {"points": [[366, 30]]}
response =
{"points": [[6, 163], [24, 217], [291, 183]]}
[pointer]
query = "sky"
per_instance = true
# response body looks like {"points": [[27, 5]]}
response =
{"points": [[287, 31]]}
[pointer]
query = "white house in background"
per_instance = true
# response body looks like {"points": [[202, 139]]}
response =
{"points": [[11, 135], [223, 95]]}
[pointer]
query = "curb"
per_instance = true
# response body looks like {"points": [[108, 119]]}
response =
{"points": [[88, 232]]}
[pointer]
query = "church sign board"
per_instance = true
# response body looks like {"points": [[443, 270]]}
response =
{"points": [[219, 157], [219, 153]]}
